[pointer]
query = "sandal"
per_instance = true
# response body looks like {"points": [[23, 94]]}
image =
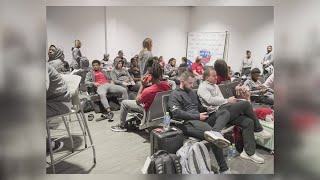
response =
{"points": [[90, 117]]}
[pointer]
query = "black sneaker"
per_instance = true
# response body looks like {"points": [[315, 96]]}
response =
{"points": [[58, 145], [118, 128]]}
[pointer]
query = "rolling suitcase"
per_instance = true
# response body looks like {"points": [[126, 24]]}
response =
{"points": [[267, 143], [170, 141]]}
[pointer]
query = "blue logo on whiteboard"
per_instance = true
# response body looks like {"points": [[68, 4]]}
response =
{"points": [[206, 55]]}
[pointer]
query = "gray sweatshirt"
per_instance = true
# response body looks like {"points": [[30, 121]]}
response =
{"points": [[252, 85], [143, 58], [120, 75], [90, 79], [76, 57], [57, 88], [169, 70], [210, 95], [268, 57]]}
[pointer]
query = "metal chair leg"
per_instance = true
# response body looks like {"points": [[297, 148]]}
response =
{"points": [[69, 133], [50, 147], [89, 135], [83, 129]]}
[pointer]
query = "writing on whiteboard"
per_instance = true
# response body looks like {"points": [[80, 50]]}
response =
{"points": [[208, 45]]}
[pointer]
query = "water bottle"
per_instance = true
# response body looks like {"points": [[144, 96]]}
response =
{"points": [[230, 152], [234, 150], [166, 121]]}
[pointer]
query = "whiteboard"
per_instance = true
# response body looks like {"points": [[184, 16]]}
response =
{"points": [[209, 45]]}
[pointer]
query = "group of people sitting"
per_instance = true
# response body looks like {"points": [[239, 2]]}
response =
{"points": [[203, 113]]}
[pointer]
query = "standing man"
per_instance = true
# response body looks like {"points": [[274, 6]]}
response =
{"points": [[76, 55], [267, 62], [98, 78], [246, 64]]}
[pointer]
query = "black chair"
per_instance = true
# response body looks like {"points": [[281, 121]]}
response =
{"points": [[224, 91], [231, 88], [154, 116], [181, 70]]}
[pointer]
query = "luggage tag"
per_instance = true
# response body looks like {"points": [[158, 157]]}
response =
{"points": [[146, 165]]}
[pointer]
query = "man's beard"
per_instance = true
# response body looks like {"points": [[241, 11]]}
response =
{"points": [[186, 88], [51, 57]]}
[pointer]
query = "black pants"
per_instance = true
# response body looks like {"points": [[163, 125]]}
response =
{"points": [[243, 108], [218, 120], [196, 128]]}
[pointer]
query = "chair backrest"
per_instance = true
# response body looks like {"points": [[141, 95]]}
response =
{"points": [[231, 87], [225, 82], [73, 82], [181, 70], [237, 80], [165, 100], [223, 89], [156, 109]]}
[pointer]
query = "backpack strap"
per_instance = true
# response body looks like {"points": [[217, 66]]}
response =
{"points": [[176, 163], [205, 153], [159, 165], [202, 158], [190, 162]]}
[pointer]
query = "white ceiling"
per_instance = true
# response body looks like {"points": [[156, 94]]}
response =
{"points": [[160, 2]]}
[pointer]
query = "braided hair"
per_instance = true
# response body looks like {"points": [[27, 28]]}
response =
{"points": [[221, 68], [156, 71]]}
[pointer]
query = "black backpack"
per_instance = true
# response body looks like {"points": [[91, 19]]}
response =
{"points": [[86, 105], [164, 163]]}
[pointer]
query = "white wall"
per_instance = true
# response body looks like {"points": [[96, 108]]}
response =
{"points": [[249, 27], [126, 27], [166, 26], [66, 24]]}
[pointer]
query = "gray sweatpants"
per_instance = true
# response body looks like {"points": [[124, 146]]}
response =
{"points": [[55, 108], [105, 88], [126, 107]]}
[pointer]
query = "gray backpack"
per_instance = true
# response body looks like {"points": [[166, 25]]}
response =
{"points": [[194, 158]]}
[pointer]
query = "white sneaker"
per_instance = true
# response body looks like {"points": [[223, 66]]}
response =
{"points": [[216, 138], [254, 157], [263, 134]]}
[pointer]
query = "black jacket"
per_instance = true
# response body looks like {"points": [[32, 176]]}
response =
{"points": [[185, 105]]}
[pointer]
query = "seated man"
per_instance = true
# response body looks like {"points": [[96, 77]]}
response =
{"points": [[106, 63], [183, 104], [211, 97], [121, 58], [99, 79], [135, 70], [257, 88], [54, 60], [58, 99], [121, 76], [171, 70], [144, 98], [197, 69]]}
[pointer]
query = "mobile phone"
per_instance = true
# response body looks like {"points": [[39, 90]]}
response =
{"points": [[149, 78]]}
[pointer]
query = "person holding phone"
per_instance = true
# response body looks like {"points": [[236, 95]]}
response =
{"points": [[184, 105], [211, 97], [145, 96]]}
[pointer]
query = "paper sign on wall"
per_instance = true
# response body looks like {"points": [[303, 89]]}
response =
{"points": [[208, 45]]}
